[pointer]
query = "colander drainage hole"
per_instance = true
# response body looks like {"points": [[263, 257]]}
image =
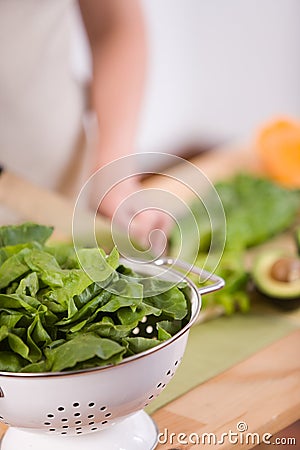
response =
{"points": [[60, 408], [64, 419], [91, 405], [51, 416], [76, 404], [91, 416], [77, 414], [103, 408], [78, 422]]}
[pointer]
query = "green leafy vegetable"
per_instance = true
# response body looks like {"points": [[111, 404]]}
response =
{"points": [[46, 267], [62, 310], [13, 268], [173, 302], [10, 362], [140, 344], [22, 234], [82, 348], [256, 209]]}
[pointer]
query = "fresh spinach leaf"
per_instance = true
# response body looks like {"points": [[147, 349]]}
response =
{"points": [[24, 233], [10, 362], [46, 266], [172, 302], [82, 348], [13, 268], [140, 344]]}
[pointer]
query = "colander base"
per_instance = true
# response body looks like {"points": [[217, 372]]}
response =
{"points": [[136, 432]]}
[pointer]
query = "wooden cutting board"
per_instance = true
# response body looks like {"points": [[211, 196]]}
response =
{"points": [[215, 165]]}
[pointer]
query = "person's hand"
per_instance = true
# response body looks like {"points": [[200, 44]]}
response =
{"points": [[126, 205]]}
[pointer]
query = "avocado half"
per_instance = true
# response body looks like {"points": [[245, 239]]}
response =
{"points": [[277, 276]]}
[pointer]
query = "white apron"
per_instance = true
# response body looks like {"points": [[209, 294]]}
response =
{"points": [[41, 102]]}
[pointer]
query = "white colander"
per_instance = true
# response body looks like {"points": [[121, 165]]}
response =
{"points": [[101, 408]]}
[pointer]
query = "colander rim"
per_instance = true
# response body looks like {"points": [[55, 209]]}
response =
{"points": [[129, 359]]}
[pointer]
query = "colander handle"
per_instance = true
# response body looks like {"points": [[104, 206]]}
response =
{"points": [[217, 282]]}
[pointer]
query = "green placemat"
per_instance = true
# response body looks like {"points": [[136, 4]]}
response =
{"points": [[215, 346]]}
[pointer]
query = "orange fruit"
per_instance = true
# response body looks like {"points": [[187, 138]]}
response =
{"points": [[278, 146]]}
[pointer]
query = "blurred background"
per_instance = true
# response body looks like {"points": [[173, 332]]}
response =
{"points": [[217, 70]]}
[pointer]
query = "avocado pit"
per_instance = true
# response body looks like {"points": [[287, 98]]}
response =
{"points": [[286, 269]]}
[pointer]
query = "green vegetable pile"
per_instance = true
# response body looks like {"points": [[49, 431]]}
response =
{"points": [[256, 209], [54, 317]]}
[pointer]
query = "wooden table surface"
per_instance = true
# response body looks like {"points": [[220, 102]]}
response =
{"points": [[264, 390]]}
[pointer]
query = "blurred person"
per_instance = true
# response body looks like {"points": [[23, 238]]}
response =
{"points": [[42, 105]]}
